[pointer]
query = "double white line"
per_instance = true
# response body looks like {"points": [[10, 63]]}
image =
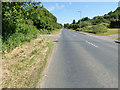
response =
{"points": [[91, 44]]}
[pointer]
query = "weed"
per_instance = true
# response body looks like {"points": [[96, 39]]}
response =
{"points": [[27, 83], [33, 52], [23, 60], [41, 41], [15, 55], [22, 51], [4, 57], [32, 60]]}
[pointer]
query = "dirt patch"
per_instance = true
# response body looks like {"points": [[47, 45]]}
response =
{"points": [[53, 37], [23, 66]]}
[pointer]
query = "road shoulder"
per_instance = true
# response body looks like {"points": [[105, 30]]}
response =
{"points": [[54, 38], [111, 38]]}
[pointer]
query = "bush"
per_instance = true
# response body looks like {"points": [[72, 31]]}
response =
{"points": [[115, 24], [24, 33], [86, 23], [8, 28], [99, 29], [87, 29], [105, 24], [29, 22], [78, 29]]}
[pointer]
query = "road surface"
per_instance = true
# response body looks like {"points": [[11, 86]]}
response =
{"points": [[82, 61]]}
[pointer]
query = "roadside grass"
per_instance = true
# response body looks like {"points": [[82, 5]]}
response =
{"points": [[110, 31], [23, 66], [57, 31], [1, 61], [118, 38]]}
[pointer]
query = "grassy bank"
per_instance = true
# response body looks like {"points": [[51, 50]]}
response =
{"points": [[57, 31], [118, 38], [110, 31], [22, 67]]}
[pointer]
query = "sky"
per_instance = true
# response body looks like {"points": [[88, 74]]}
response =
{"points": [[67, 11]]}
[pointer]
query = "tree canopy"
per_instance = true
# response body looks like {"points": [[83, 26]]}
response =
{"points": [[14, 13], [23, 21]]}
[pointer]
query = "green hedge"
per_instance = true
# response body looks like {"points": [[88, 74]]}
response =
{"points": [[99, 29], [24, 33], [95, 29]]}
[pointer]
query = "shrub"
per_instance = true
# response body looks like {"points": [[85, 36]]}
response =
{"points": [[105, 24], [99, 29], [87, 29], [78, 29], [24, 33], [29, 22], [86, 23]]}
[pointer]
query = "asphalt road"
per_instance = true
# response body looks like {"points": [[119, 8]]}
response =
{"points": [[82, 61]]}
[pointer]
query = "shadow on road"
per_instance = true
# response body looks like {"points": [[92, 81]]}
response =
{"points": [[55, 41], [117, 42], [82, 33]]}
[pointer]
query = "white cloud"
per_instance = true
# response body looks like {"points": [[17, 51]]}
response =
{"points": [[59, 6], [51, 8], [56, 6]]}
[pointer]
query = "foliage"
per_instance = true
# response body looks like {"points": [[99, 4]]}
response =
{"points": [[112, 20], [86, 23], [24, 33], [78, 29], [95, 29], [85, 19], [99, 29], [74, 22], [22, 21], [87, 29], [115, 24]]}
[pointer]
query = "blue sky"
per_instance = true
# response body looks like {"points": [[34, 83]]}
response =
{"points": [[67, 11]]}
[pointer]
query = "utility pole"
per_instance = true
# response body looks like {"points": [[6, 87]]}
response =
{"points": [[80, 18]]}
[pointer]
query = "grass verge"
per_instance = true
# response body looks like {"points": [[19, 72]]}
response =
{"points": [[22, 67], [57, 31], [118, 38], [110, 31]]}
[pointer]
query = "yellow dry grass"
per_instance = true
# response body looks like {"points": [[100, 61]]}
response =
{"points": [[23, 66]]}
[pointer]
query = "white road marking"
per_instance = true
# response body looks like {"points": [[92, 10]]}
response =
{"points": [[92, 44]]}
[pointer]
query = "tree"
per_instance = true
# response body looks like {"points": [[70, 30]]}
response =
{"points": [[85, 19], [74, 22]]}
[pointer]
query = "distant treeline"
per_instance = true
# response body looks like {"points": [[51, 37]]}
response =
{"points": [[22, 21], [110, 20]]}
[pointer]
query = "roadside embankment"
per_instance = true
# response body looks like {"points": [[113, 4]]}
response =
{"points": [[23, 66]]}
